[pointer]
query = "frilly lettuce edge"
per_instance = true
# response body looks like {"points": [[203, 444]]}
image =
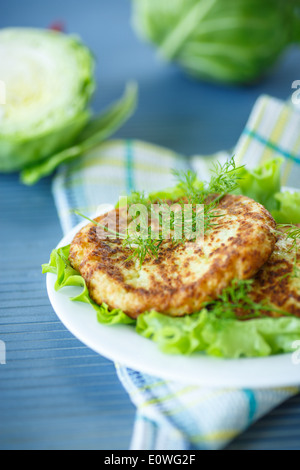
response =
{"points": [[198, 333]]}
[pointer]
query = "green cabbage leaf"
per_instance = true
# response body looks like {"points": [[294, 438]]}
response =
{"points": [[95, 132]]}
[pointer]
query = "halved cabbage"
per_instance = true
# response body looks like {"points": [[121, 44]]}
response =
{"points": [[48, 78]]}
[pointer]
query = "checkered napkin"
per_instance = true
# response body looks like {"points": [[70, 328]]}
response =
{"points": [[170, 415]]}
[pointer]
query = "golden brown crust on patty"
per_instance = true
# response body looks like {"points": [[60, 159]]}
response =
{"points": [[183, 277], [277, 283]]}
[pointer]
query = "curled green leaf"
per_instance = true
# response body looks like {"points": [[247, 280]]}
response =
{"points": [[95, 132]]}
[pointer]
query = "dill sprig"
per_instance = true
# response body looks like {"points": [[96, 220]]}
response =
{"points": [[106, 229], [140, 246], [143, 242], [225, 179], [292, 233], [235, 301], [139, 197]]}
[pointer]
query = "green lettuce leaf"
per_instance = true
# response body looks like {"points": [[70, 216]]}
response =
{"points": [[201, 332], [264, 186], [289, 208], [263, 183], [168, 194], [67, 276]]}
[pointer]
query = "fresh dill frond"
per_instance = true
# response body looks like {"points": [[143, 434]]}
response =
{"points": [[235, 301], [139, 197], [106, 229], [293, 233], [187, 181], [143, 242], [225, 178], [141, 246], [140, 240]]}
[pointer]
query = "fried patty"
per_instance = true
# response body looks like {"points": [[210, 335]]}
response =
{"points": [[183, 277], [278, 282]]}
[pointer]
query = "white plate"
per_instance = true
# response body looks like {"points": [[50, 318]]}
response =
{"points": [[123, 345]]}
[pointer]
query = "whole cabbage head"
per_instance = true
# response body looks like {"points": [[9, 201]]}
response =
{"points": [[231, 41]]}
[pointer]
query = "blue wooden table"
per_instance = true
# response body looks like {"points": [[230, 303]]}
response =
{"points": [[54, 392]]}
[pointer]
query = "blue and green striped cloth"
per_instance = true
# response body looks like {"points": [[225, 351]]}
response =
{"points": [[173, 416]]}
